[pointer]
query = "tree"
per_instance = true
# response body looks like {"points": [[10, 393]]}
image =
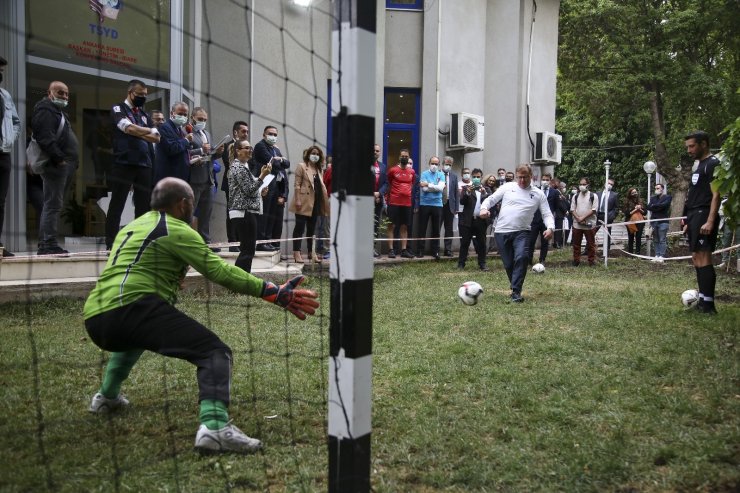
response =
{"points": [[636, 76]]}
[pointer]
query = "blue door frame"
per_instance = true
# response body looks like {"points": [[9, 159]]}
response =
{"points": [[413, 128]]}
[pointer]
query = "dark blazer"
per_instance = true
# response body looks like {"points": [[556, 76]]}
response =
{"points": [[173, 157], [467, 200], [660, 206], [201, 172], [44, 125], [263, 153], [382, 181], [612, 203], [453, 201]]}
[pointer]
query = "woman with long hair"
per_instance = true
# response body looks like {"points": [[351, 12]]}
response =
{"points": [[245, 202], [634, 210], [310, 200]]}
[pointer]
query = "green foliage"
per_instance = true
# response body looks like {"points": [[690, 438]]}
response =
{"points": [[598, 382], [727, 176], [635, 77]]}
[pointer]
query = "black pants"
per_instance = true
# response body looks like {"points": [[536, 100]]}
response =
{"points": [[271, 227], [558, 234], [120, 181], [477, 232], [154, 325], [429, 213], [5, 165], [245, 229], [534, 233], [634, 240], [447, 220], [307, 223]]}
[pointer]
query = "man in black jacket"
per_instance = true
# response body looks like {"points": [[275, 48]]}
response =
{"points": [[52, 131], [273, 204]]}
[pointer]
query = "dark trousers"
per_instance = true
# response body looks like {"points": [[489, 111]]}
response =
{"points": [[154, 325], [534, 233], [558, 233], [307, 223], [477, 232], [5, 165], [245, 229], [447, 220], [120, 181], [230, 233], [513, 248], [429, 213], [634, 240], [272, 218]]}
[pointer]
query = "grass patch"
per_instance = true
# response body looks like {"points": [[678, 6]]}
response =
{"points": [[600, 381]]}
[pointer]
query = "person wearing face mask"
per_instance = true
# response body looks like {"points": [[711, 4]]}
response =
{"points": [[10, 128], [562, 207], [273, 203], [239, 131], [450, 203], [634, 210], [401, 180], [133, 158], [609, 201], [202, 178], [660, 208], [583, 208], [472, 226], [174, 151], [501, 173], [431, 186], [310, 200], [53, 132], [537, 228], [380, 188]]}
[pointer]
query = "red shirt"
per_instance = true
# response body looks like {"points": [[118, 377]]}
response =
{"points": [[327, 180], [401, 184]]}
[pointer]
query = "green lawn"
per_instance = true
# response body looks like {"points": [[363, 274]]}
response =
{"points": [[600, 381]]}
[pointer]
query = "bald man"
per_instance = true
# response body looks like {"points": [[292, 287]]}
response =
{"points": [[54, 135], [131, 310]]}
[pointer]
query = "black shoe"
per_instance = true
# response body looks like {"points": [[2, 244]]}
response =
{"points": [[275, 246], [485, 268], [407, 254], [707, 307], [376, 254], [7, 253], [262, 247], [55, 250], [419, 255], [215, 249], [576, 263], [436, 256], [516, 298], [448, 253], [234, 249], [391, 254]]}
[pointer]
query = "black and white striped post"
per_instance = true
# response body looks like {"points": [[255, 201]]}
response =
{"points": [[351, 270]]}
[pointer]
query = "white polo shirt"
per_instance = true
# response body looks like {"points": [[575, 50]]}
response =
{"points": [[518, 206]]}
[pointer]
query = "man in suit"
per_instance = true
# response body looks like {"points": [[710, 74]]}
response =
{"points": [[608, 200], [381, 187], [239, 131], [471, 225], [450, 203], [173, 150], [538, 224], [267, 151], [201, 173]]}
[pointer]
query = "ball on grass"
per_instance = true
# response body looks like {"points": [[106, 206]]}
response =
{"points": [[689, 297], [538, 268], [470, 293]]}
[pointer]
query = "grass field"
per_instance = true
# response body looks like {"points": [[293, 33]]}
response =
{"points": [[600, 381]]}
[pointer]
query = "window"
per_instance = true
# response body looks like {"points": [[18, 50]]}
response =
{"points": [[405, 4]]}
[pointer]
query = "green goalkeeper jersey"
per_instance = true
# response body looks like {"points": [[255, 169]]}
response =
{"points": [[151, 255]]}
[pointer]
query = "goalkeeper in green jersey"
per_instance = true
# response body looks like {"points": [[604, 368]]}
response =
{"points": [[131, 310]]}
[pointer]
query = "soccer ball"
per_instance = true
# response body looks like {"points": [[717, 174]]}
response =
{"points": [[538, 268], [689, 297], [470, 292]]}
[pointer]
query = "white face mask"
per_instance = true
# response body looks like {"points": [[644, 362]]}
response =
{"points": [[466, 176], [271, 139], [574, 191], [61, 103], [447, 168], [608, 188], [199, 126], [582, 188], [545, 184], [433, 168], [179, 120], [314, 158]]}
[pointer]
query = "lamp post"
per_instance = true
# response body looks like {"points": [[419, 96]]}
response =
{"points": [[607, 164], [649, 168]]}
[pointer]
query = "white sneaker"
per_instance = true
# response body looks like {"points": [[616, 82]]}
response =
{"points": [[227, 439], [102, 405], [658, 259]]}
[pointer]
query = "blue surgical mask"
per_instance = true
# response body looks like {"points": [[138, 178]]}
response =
{"points": [[60, 103], [179, 120], [466, 176], [476, 182], [199, 126]]}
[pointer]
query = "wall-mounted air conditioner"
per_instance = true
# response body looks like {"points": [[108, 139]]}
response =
{"points": [[466, 132], [548, 148]]}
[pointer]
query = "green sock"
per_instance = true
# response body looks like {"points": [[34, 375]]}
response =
{"points": [[214, 414], [119, 366]]}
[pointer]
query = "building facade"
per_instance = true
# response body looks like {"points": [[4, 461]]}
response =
{"points": [[269, 63]]}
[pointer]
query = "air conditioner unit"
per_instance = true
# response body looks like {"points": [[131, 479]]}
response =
{"points": [[466, 132], [548, 148]]}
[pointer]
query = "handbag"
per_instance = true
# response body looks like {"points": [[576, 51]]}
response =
{"points": [[635, 217], [36, 158]]}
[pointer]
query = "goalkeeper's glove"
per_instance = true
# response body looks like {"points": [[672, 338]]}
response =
{"points": [[299, 302]]}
